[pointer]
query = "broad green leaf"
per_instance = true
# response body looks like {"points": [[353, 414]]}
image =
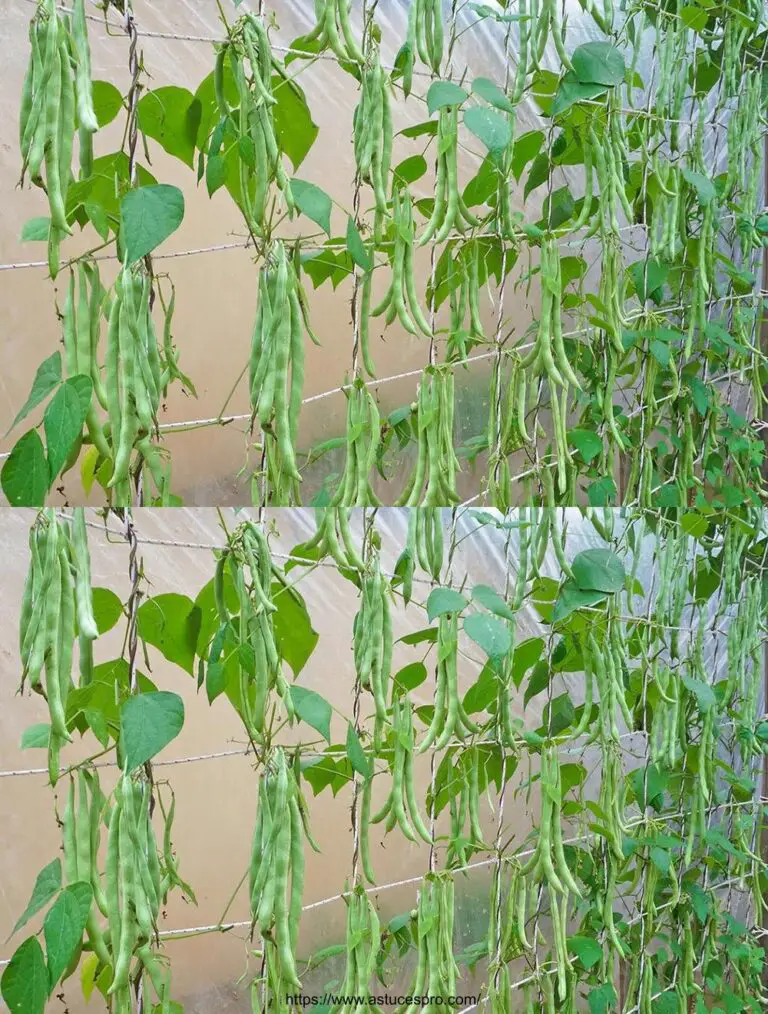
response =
{"points": [[484, 185], [36, 736], [171, 115], [490, 91], [704, 187], [649, 788], [149, 215], [586, 949], [35, 230], [64, 418], [540, 679], [171, 623], [149, 722], [558, 714], [408, 678], [88, 968], [356, 754], [694, 17], [598, 62], [490, 633], [527, 654], [24, 984], [444, 600], [527, 147], [572, 598], [492, 601], [110, 178], [107, 101], [419, 636], [420, 129], [63, 928], [668, 1003], [648, 280], [107, 609], [482, 692], [601, 999], [296, 637], [357, 249], [215, 173], [703, 692], [296, 130], [661, 859], [410, 169], [312, 709], [47, 884], [586, 442], [48, 376], [694, 524], [598, 570], [24, 477], [572, 91], [488, 126], [444, 93], [313, 202]]}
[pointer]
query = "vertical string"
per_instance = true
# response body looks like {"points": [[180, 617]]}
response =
{"points": [[368, 551]]}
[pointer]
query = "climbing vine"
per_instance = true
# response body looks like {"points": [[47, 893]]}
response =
{"points": [[632, 727], [640, 377]]}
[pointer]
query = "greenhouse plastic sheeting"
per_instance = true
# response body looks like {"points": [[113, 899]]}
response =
{"points": [[216, 291], [217, 796]]}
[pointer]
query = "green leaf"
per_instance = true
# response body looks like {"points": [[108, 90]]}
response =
{"points": [[420, 129], [107, 101], [420, 636], [694, 17], [649, 790], [601, 998], [149, 722], [572, 598], [527, 654], [24, 477], [296, 130], [492, 601], [312, 709], [107, 609], [704, 187], [666, 1003], [47, 377], [586, 442], [171, 116], [648, 281], [356, 247], [47, 884], [171, 623], [25, 981], [356, 754], [35, 230], [571, 91], [490, 91], [64, 418], [149, 215], [296, 637], [527, 147], [444, 93], [408, 678], [694, 524], [63, 928], [598, 570], [660, 352], [482, 692], [313, 202], [490, 633], [586, 949], [558, 714], [661, 859], [598, 62], [410, 170], [215, 173], [488, 126], [703, 692], [36, 736], [540, 679], [539, 174], [444, 600]]}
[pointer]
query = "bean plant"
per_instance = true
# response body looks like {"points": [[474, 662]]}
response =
{"points": [[631, 729], [639, 376]]}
